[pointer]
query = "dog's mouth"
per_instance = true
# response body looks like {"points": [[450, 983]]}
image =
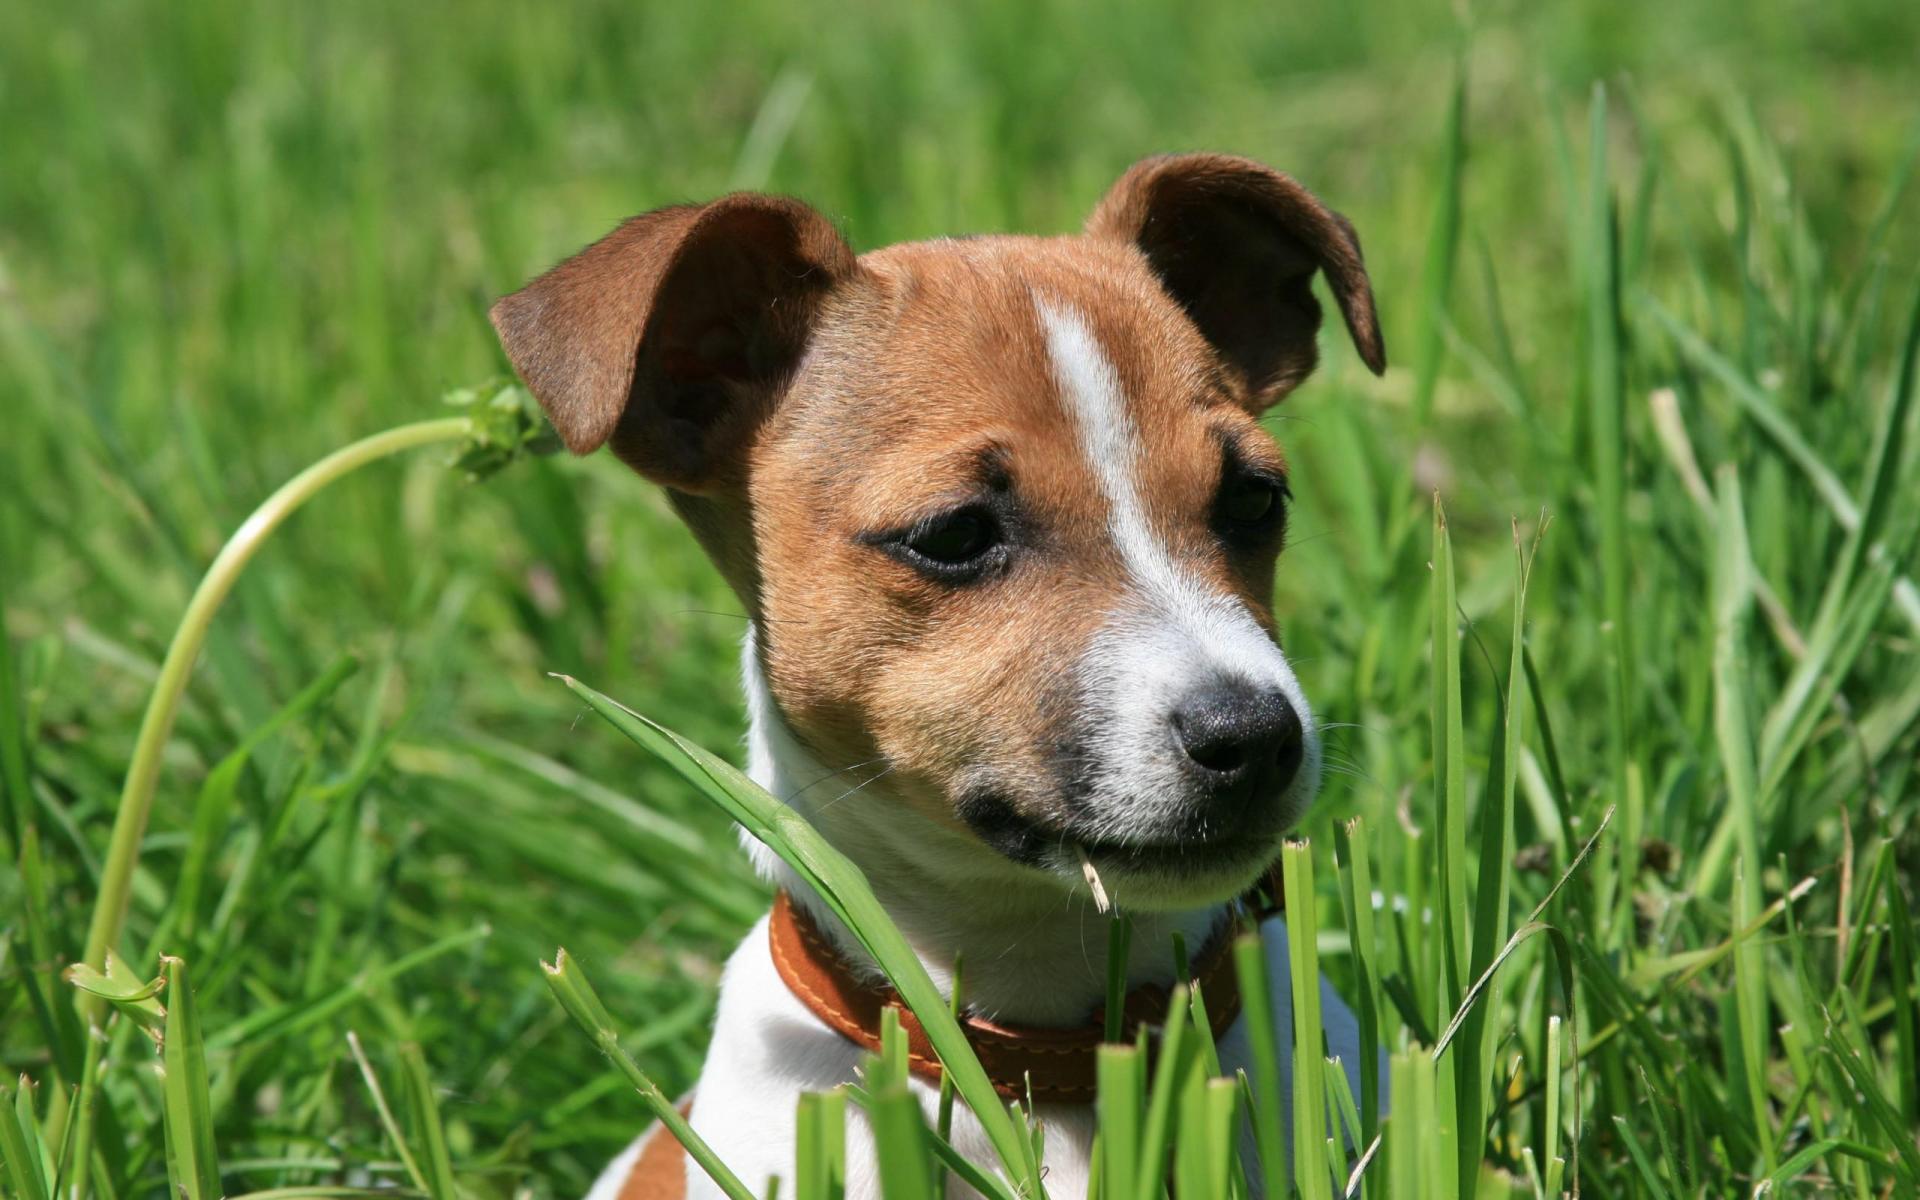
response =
{"points": [[1197, 856], [1203, 862]]}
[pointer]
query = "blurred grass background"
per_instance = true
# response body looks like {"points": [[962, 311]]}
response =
{"points": [[234, 236]]}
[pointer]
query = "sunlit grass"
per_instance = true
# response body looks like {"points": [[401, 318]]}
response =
{"points": [[1671, 327]]}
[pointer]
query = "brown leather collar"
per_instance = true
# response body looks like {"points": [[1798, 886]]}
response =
{"points": [[1057, 1064]]}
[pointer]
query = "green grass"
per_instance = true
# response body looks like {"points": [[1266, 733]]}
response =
{"points": [[1668, 326]]}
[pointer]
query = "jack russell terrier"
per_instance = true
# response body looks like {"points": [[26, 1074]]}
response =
{"points": [[1004, 520]]}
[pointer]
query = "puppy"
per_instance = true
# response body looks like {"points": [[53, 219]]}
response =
{"points": [[1005, 522]]}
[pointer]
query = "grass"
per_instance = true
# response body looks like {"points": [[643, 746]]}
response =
{"points": [[1669, 325]]}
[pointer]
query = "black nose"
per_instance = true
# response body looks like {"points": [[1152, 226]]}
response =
{"points": [[1240, 740]]}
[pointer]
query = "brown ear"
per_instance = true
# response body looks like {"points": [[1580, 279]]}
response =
{"points": [[672, 336], [1237, 243]]}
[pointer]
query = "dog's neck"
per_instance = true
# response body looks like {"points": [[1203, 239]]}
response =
{"points": [[1031, 950]]}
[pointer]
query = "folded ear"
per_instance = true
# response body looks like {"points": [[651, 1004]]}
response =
{"points": [[672, 336], [1237, 243]]}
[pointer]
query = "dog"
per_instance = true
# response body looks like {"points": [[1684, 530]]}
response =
{"points": [[1005, 523]]}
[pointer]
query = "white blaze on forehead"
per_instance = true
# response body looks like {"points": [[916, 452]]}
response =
{"points": [[1108, 438], [1092, 390], [1171, 632]]}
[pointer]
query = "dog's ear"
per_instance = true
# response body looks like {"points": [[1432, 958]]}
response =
{"points": [[1236, 244], [672, 336]]}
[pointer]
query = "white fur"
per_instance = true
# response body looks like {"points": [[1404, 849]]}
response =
{"points": [[1171, 633]]}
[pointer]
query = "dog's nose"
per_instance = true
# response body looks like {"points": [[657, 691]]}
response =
{"points": [[1240, 740]]}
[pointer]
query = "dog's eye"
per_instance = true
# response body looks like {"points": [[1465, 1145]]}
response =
{"points": [[1250, 501], [955, 540], [954, 547]]}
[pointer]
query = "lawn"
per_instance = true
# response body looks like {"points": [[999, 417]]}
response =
{"points": [[1647, 275]]}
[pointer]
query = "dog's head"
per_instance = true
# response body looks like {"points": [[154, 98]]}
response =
{"points": [[1001, 508]]}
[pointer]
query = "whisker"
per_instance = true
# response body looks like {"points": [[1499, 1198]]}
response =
{"points": [[805, 788], [856, 787], [1311, 537], [1326, 726]]}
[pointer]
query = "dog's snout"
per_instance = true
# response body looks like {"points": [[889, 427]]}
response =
{"points": [[1240, 740]]}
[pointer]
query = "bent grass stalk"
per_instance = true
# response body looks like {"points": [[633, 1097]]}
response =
{"points": [[163, 705], [576, 995], [143, 772]]}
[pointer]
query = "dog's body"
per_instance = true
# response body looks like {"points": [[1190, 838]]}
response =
{"points": [[1004, 522]]}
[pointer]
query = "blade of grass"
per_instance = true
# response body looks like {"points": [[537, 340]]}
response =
{"points": [[1119, 946], [1606, 415], [1750, 1013], [900, 1144], [1310, 1160], [16, 763], [75, 1164], [1170, 1067], [1209, 1052], [1412, 1132], [1219, 1127], [423, 1108], [1190, 1167], [1119, 1105], [576, 995], [943, 1124], [1449, 768], [1638, 1153], [813, 1176], [1732, 598], [1904, 964], [1356, 891], [386, 1114], [889, 1067], [21, 1149], [1443, 241], [1674, 1170], [1550, 1134], [1798, 1165], [187, 1104], [1203, 1155], [1341, 1104], [29, 1124], [1475, 1061], [962, 1168], [59, 1023], [1550, 751], [1263, 1045]]}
